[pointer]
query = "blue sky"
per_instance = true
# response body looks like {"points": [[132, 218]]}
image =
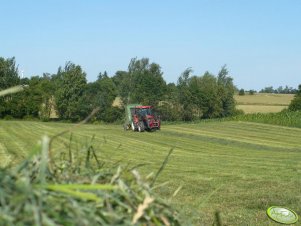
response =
{"points": [[259, 41]]}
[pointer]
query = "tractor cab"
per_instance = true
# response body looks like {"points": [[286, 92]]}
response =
{"points": [[144, 111]]}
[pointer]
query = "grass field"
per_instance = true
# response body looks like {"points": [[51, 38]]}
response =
{"points": [[237, 168], [263, 102]]}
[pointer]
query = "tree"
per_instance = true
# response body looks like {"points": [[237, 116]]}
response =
{"points": [[8, 78], [145, 81], [226, 91], [26, 103], [100, 93], [205, 91], [206, 96], [36, 99], [241, 92], [280, 89], [170, 109], [185, 97], [33, 101], [71, 82], [119, 78], [8, 73], [31, 98], [268, 89], [295, 104], [47, 85], [122, 82], [101, 76], [252, 92]]}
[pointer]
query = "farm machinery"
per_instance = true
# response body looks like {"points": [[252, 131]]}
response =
{"points": [[140, 118]]}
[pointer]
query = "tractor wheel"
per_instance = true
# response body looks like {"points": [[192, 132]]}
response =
{"points": [[133, 126], [141, 127]]}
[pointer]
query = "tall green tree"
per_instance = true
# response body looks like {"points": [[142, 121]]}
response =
{"points": [[170, 109], [205, 95], [226, 90], [8, 78], [71, 82], [8, 73], [145, 81], [107, 94], [30, 100], [122, 82], [185, 96], [28, 103], [100, 93], [47, 106], [102, 75], [36, 101]]}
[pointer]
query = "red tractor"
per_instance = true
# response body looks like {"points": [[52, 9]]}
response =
{"points": [[140, 118]]}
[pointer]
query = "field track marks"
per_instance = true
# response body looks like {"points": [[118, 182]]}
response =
{"points": [[252, 136], [5, 157]]}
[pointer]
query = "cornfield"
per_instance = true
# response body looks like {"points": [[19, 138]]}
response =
{"points": [[284, 118]]}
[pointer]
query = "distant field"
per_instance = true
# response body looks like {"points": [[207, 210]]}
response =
{"points": [[253, 108], [238, 168], [263, 102]]}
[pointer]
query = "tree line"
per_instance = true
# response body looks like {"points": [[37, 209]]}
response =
{"points": [[69, 96], [66, 95], [280, 89], [270, 89]]}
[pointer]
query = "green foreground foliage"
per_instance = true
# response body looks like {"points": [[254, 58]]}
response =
{"points": [[237, 168], [79, 191]]}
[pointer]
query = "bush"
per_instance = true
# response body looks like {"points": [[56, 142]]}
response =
{"points": [[295, 104], [8, 117], [30, 118], [112, 114], [238, 112], [168, 112]]}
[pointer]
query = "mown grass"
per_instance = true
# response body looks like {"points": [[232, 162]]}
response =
{"points": [[236, 168]]}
